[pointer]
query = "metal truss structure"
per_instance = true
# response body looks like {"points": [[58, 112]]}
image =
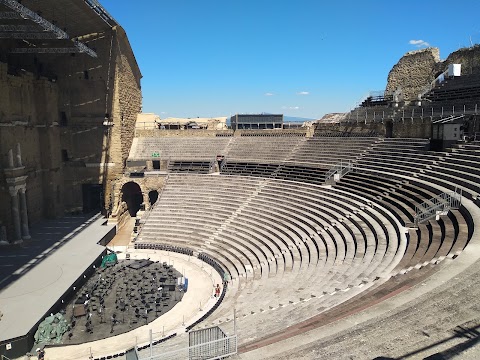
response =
{"points": [[9, 15], [39, 50], [19, 28], [47, 26], [28, 36], [100, 10]]}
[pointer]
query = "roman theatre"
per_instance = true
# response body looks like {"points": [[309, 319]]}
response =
{"points": [[128, 236]]}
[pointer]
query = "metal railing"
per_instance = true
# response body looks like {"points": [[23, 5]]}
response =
{"points": [[448, 119], [214, 349], [438, 205], [342, 168], [222, 164], [211, 167], [379, 115]]}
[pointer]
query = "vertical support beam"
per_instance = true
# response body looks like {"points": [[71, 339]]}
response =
{"points": [[24, 214], [16, 215]]}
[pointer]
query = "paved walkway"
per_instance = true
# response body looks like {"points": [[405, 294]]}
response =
{"points": [[199, 295], [124, 235]]}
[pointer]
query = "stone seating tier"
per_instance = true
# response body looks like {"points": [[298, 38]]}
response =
{"points": [[294, 248]]}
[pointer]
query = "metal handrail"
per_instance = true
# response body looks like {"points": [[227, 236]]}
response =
{"points": [[365, 114], [216, 349], [438, 204], [340, 168]]}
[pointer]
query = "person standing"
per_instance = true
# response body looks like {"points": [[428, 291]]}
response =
{"points": [[40, 354]]}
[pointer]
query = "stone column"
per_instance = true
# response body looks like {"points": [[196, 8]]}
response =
{"points": [[16, 215], [146, 200], [24, 214], [19, 155], [11, 165]]}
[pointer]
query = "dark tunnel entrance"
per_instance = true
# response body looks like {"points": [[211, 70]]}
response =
{"points": [[132, 195], [153, 197]]}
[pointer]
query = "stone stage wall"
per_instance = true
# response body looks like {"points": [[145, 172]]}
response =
{"points": [[74, 118]]}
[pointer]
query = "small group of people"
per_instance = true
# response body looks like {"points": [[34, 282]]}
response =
{"points": [[40, 354]]}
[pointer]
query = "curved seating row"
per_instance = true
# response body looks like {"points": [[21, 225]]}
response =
{"points": [[271, 234], [293, 150], [294, 249]]}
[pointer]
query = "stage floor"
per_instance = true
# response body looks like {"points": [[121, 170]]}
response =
{"points": [[34, 275]]}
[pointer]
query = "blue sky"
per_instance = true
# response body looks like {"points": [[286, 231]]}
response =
{"points": [[297, 57]]}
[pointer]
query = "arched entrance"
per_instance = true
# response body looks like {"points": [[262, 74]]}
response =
{"points": [[388, 128], [132, 195], [153, 197]]}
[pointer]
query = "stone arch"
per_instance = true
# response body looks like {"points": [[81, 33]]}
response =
{"points": [[132, 196], [152, 197]]}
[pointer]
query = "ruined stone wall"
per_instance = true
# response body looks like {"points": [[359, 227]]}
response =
{"points": [[413, 72], [417, 69], [147, 184], [468, 57]]}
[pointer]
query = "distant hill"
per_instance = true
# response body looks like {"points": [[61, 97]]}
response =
{"points": [[296, 119]]}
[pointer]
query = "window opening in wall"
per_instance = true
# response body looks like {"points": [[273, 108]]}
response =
{"points": [[85, 74], [92, 195], [64, 155], [63, 119], [156, 164]]}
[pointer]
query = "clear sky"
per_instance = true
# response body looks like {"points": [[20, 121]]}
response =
{"points": [[297, 57]]}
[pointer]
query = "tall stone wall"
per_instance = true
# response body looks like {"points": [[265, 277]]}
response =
{"points": [[413, 72], [74, 117], [28, 111], [126, 104]]}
